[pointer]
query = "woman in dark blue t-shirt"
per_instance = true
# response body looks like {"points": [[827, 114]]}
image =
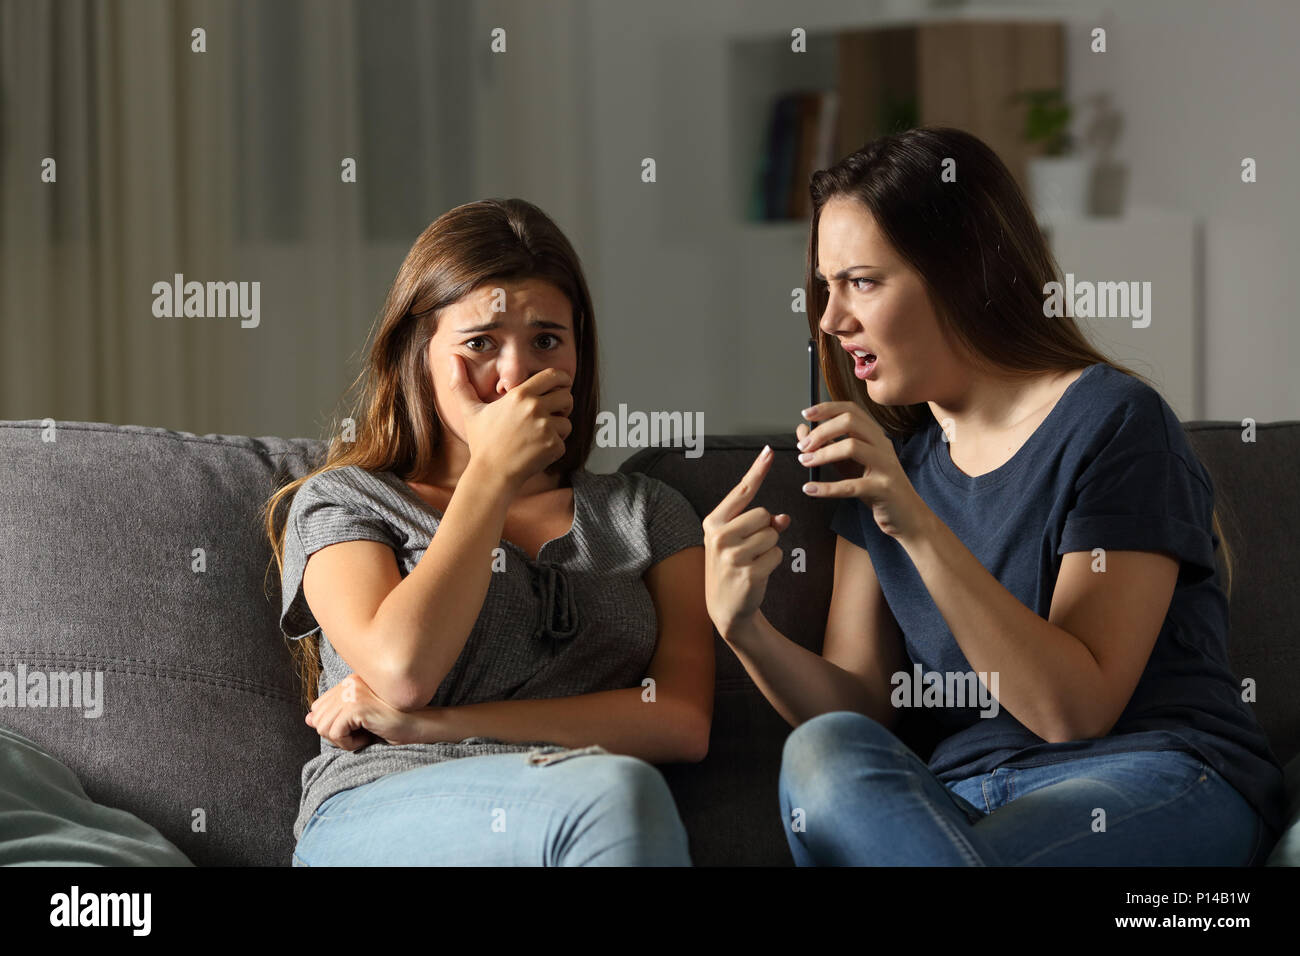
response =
{"points": [[1025, 561]]}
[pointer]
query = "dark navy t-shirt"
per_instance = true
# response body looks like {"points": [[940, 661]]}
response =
{"points": [[1110, 467]]}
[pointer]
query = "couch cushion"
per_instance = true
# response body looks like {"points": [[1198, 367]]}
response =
{"points": [[201, 734], [46, 819], [1287, 850]]}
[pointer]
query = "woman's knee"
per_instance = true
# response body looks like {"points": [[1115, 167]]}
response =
{"points": [[637, 822], [622, 783], [816, 744], [828, 730]]}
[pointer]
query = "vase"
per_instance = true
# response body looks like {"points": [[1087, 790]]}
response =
{"points": [[1058, 186]]}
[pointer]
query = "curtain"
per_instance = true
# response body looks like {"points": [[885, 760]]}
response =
{"points": [[220, 166]]}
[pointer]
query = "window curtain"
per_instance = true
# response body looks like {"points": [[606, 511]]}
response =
{"points": [[220, 166]]}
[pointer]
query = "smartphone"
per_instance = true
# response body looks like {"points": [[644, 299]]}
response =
{"points": [[814, 394]]}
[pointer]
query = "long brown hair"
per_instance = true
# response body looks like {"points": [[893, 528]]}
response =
{"points": [[394, 416], [979, 235]]}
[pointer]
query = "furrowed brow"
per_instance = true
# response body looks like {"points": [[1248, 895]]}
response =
{"points": [[842, 274], [535, 323]]}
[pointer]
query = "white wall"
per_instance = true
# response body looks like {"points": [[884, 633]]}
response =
{"points": [[1200, 85]]}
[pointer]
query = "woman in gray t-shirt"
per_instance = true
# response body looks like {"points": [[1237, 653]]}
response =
{"points": [[485, 609]]}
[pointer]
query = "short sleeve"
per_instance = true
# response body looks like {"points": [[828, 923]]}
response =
{"points": [[317, 519], [672, 523], [1136, 497]]}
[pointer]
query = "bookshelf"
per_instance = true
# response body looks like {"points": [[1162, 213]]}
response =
{"points": [[790, 111]]}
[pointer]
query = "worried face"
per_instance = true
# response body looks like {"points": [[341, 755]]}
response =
{"points": [[501, 349]]}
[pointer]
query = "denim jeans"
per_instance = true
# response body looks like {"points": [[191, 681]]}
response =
{"points": [[865, 799], [580, 807]]}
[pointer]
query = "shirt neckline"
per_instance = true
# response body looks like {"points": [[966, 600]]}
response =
{"points": [[1008, 469], [576, 478]]}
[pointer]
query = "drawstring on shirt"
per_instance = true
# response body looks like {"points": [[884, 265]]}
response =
{"points": [[558, 616]]}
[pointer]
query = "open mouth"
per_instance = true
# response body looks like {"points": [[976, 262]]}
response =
{"points": [[864, 363]]}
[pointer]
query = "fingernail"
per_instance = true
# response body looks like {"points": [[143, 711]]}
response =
{"points": [[767, 450], [810, 489], [801, 443], [805, 458], [807, 411]]}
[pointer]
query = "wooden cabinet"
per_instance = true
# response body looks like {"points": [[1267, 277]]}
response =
{"points": [[963, 74]]}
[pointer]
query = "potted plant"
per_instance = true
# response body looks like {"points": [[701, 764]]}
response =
{"points": [[1058, 180]]}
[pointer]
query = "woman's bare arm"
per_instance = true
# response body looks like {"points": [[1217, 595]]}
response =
{"points": [[402, 636], [863, 648], [672, 727]]}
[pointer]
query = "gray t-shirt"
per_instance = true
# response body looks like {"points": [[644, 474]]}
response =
{"points": [[577, 620]]}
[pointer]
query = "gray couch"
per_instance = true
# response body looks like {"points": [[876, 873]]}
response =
{"points": [[98, 542]]}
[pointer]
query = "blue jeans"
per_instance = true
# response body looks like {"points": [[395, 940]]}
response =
{"points": [[581, 807], [865, 799]]}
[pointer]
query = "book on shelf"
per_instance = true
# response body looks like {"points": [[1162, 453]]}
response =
{"points": [[800, 139]]}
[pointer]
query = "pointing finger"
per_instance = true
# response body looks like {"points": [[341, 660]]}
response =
{"points": [[740, 496]]}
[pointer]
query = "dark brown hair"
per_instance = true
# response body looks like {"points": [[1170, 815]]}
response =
{"points": [[979, 235], [394, 416]]}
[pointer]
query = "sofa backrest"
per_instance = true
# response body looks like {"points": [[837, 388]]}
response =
{"points": [[1256, 496], [138, 553]]}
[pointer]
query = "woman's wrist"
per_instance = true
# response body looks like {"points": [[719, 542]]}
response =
{"points": [[921, 527], [431, 725], [481, 475], [743, 631], [492, 482]]}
